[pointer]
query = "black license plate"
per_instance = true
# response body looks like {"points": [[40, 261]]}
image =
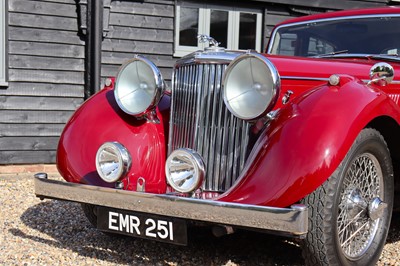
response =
{"points": [[143, 225]]}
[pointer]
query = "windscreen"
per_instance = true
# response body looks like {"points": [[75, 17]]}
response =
{"points": [[367, 35]]}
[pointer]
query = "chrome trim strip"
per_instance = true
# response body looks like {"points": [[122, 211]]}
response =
{"points": [[305, 78], [291, 221], [273, 34]]}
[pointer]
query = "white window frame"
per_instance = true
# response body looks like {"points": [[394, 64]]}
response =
{"points": [[3, 43], [204, 26], [234, 45]]}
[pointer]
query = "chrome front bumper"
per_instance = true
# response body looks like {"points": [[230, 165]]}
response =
{"points": [[286, 221]]}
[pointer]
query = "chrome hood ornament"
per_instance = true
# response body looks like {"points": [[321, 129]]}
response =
{"points": [[205, 38], [214, 45]]}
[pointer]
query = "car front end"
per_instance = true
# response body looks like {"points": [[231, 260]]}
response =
{"points": [[242, 140]]}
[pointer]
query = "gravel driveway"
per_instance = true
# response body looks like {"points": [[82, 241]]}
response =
{"points": [[50, 232]]}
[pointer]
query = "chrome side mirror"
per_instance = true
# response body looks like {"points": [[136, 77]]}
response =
{"points": [[381, 74]]}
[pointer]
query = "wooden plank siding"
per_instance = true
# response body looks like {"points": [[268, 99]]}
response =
{"points": [[146, 28], [46, 79]]}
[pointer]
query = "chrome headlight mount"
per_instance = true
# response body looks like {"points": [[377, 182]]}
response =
{"points": [[139, 86], [185, 170], [251, 86], [113, 161]]}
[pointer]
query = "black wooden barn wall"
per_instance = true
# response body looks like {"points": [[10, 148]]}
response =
{"points": [[139, 27], [46, 60], [46, 53]]}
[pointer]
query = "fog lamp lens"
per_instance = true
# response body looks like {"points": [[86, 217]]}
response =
{"points": [[185, 170], [112, 161]]}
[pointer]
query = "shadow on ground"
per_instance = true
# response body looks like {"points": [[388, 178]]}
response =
{"points": [[394, 233], [67, 228]]}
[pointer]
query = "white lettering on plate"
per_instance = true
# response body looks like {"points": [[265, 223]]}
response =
{"points": [[130, 224], [113, 222], [135, 222], [123, 222]]}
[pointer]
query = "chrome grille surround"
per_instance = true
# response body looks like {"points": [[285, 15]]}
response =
{"points": [[200, 120]]}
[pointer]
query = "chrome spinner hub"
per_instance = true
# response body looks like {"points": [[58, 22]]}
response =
{"points": [[357, 206], [376, 208]]}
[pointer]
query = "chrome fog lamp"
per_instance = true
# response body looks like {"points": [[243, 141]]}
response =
{"points": [[139, 86], [184, 170], [251, 86], [112, 161]]}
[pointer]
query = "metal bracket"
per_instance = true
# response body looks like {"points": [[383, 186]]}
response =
{"points": [[84, 16], [141, 185], [286, 97]]}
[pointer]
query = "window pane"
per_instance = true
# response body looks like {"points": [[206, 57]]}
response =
{"points": [[317, 47], [188, 26], [247, 31], [219, 26], [287, 44]]}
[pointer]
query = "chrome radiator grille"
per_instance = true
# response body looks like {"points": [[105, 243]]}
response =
{"points": [[201, 121]]}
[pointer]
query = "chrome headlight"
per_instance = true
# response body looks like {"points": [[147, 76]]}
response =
{"points": [[139, 86], [112, 161], [184, 170], [251, 86]]}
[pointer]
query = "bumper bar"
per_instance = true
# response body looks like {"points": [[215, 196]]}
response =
{"points": [[287, 221]]}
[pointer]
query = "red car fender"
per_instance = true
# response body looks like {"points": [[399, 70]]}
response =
{"points": [[306, 142], [100, 120]]}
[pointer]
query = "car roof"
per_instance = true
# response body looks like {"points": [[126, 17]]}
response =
{"points": [[345, 13]]}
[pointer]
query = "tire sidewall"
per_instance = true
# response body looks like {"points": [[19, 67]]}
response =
{"points": [[372, 143]]}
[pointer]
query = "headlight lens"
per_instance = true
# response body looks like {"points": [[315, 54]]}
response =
{"points": [[139, 86], [251, 86], [112, 161], [184, 170]]}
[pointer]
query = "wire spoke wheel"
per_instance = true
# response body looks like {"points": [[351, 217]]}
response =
{"points": [[362, 183]]}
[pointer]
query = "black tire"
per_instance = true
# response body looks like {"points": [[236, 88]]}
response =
{"points": [[90, 212], [348, 225]]}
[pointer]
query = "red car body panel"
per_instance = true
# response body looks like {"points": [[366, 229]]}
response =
{"points": [[99, 120], [279, 164]]}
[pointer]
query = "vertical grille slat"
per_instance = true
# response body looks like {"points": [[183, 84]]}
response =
{"points": [[187, 107], [201, 121], [192, 107], [224, 150], [198, 96]]}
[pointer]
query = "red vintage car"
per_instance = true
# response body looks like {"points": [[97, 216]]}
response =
{"points": [[302, 141]]}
